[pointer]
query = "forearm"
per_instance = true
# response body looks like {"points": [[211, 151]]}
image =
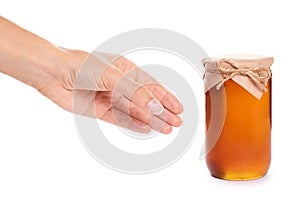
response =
{"points": [[27, 57]]}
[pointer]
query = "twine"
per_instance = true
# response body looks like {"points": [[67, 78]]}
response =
{"points": [[228, 69]]}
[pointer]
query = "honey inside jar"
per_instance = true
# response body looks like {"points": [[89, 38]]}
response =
{"points": [[240, 148], [243, 149]]}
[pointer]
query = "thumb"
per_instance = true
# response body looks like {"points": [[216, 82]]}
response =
{"points": [[136, 92], [97, 73]]}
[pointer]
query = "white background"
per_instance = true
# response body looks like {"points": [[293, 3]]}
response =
{"points": [[40, 153]]}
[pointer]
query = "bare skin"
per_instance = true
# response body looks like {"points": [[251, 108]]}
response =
{"points": [[54, 71]]}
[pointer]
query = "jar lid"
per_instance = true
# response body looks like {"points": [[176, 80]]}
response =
{"points": [[252, 72]]}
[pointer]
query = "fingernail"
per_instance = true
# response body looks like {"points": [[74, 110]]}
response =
{"points": [[155, 107]]}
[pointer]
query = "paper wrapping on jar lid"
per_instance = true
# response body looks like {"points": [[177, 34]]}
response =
{"points": [[249, 71]]}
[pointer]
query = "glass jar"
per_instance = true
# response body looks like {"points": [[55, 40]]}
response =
{"points": [[238, 116]]}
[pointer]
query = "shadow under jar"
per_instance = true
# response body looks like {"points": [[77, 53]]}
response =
{"points": [[238, 116]]}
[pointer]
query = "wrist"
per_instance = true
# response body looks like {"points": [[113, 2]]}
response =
{"points": [[44, 66], [71, 60], [28, 57]]}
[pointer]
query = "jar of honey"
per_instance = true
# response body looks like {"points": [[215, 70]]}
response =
{"points": [[238, 116]]}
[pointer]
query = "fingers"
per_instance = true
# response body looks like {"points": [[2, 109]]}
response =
{"points": [[168, 100], [104, 72], [162, 123], [125, 121], [158, 123], [144, 98], [170, 118], [141, 99], [136, 93], [152, 98], [131, 109], [122, 63], [121, 119]]}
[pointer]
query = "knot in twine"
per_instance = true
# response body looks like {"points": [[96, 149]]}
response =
{"points": [[228, 69]]}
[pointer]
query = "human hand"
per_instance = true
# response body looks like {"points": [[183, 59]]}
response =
{"points": [[98, 85], [113, 89]]}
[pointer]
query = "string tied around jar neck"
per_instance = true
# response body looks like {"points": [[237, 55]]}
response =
{"points": [[228, 69]]}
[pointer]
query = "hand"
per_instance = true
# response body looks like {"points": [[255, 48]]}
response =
{"points": [[97, 85], [115, 90]]}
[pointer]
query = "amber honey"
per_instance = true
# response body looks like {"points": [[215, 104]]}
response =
{"points": [[242, 150]]}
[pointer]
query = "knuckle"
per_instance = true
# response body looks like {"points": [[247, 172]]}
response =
{"points": [[142, 91], [133, 111]]}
